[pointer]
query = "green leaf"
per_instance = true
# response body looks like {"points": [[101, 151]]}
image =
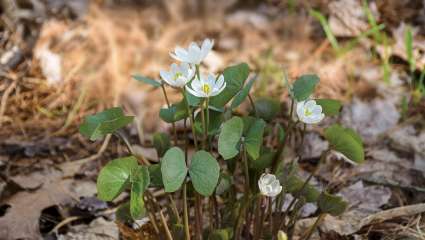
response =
{"points": [[327, 29], [216, 118], [242, 94], [192, 99], [235, 77], [224, 184], [140, 180], [155, 175], [221, 234], [345, 141], [281, 133], [254, 138], [267, 108], [330, 107], [304, 86], [204, 172], [147, 80], [97, 126], [173, 169], [408, 44], [123, 213], [114, 178], [175, 113], [331, 204], [263, 161], [161, 142], [230, 135], [294, 185]]}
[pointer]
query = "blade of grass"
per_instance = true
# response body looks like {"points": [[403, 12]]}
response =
{"points": [[326, 27], [408, 42], [377, 35]]}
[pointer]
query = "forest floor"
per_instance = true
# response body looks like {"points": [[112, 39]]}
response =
{"points": [[61, 62]]}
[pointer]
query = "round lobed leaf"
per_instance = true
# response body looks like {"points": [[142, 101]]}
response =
{"points": [[304, 86], [230, 135], [173, 169], [204, 172], [331, 204], [140, 180], [330, 107], [345, 141], [115, 177]]}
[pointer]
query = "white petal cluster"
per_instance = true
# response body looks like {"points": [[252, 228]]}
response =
{"points": [[269, 185], [194, 54], [207, 86], [179, 75], [309, 112]]}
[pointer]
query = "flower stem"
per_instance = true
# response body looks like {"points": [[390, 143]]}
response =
{"points": [[165, 225], [298, 193], [204, 124], [185, 212], [121, 136], [247, 196], [252, 104], [168, 105], [191, 119], [198, 216], [246, 170]]}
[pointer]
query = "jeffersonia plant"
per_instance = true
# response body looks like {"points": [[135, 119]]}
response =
{"points": [[236, 181]]}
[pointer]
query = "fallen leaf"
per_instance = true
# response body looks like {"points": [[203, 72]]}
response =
{"points": [[99, 229]]}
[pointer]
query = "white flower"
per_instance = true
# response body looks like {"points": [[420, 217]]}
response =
{"points": [[178, 76], [269, 185], [309, 112], [194, 54], [206, 87]]}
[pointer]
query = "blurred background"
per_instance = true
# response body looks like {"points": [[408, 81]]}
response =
{"points": [[61, 60]]}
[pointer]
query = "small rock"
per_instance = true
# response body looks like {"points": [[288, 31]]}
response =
{"points": [[367, 199], [370, 119], [50, 64], [313, 145]]}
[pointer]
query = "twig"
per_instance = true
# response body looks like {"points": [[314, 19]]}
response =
{"points": [[4, 98], [64, 222]]}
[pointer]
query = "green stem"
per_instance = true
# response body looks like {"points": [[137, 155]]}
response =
{"points": [[315, 224], [270, 215], [191, 119], [252, 104], [198, 216], [185, 212], [246, 170], [257, 217], [297, 195], [123, 138], [168, 105], [204, 125], [242, 212], [174, 208]]}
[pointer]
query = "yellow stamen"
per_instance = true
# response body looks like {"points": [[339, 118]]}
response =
{"points": [[177, 76], [206, 88], [307, 112]]}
